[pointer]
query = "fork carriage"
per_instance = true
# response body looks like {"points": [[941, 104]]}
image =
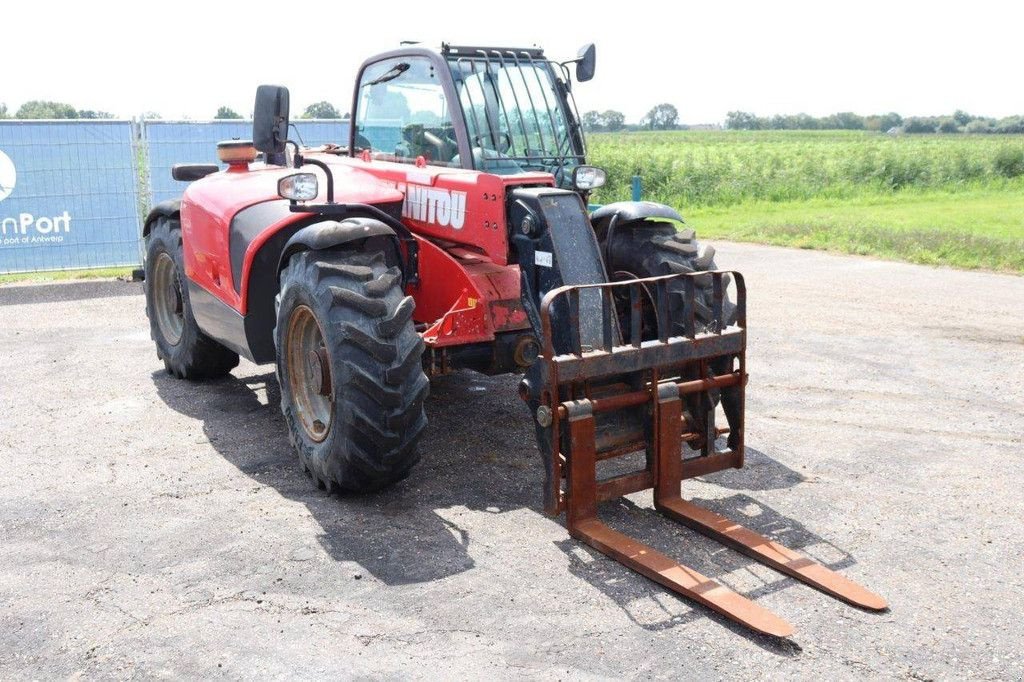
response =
{"points": [[592, 373]]}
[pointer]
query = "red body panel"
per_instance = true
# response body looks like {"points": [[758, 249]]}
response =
{"points": [[208, 206], [453, 204], [467, 291]]}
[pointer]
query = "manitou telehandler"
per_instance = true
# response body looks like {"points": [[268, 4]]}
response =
{"points": [[451, 231]]}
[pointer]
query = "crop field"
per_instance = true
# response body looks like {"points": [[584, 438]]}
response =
{"points": [[940, 199]]}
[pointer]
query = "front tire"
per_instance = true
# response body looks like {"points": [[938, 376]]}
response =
{"points": [[187, 352], [349, 362], [649, 249]]}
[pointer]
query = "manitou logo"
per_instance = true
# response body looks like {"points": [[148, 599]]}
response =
{"points": [[8, 176], [443, 207]]}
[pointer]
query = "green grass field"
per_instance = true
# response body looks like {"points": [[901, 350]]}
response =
{"points": [[939, 199], [61, 275]]}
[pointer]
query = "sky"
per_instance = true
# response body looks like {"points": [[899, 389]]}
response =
{"points": [[184, 59]]}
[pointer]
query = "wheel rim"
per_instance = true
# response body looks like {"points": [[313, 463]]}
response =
{"points": [[309, 373], [649, 328], [167, 299]]}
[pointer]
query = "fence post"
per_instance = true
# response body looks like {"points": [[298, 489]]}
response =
{"points": [[140, 166], [637, 189]]}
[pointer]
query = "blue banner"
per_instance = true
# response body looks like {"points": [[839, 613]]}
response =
{"points": [[69, 196], [171, 142]]}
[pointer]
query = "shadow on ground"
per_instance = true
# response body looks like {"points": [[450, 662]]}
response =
{"points": [[645, 602], [396, 535], [479, 453]]}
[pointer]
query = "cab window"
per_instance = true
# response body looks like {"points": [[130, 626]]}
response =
{"points": [[402, 113]]}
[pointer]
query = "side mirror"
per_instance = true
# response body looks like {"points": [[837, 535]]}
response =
{"points": [[585, 60], [270, 119]]}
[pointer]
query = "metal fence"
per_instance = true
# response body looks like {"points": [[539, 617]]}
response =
{"points": [[73, 193], [69, 195], [169, 142]]}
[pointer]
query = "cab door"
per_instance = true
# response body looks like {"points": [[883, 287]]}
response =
{"points": [[403, 112]]}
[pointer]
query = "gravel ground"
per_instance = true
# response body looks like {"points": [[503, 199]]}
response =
{"points": [[156, 528]]}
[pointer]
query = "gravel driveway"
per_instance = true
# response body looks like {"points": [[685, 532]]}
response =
{"points": [[157, 528]]}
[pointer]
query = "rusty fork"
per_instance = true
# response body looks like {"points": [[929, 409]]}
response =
{"points": [[574, 454]]}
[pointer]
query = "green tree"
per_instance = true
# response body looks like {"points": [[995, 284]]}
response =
{"points": [[1011, 125], [44, 109], [948, 125], [962, 118], [662, 117], [3, 110], [591, 121], [980, 125], [89, 113], [150, 116], [887, 122], [806, 122], [227, 112], [613, 120], [920, 124], [321, 110], [847, 120], [744, 120]]}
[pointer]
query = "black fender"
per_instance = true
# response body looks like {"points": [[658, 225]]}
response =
{"points": [[165, 209], [605, 219], [328, 234], [622, 212], [270, 260]]}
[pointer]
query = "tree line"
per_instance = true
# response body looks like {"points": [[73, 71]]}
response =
{"points": [[660, 117], [44, 109], [958, 122], [316, 110], [666, 117]]}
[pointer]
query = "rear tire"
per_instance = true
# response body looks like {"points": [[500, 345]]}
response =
{"points": [[349, 362], [187, 352]]}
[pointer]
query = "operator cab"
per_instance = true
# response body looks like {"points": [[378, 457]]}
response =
{"points": [[497, 110]]}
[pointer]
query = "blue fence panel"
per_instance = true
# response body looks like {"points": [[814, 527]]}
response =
{"points": [[69, 195], [171, 142]]}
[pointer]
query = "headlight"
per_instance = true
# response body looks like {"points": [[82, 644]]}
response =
{"points": [[298, 187], [586, 178]]}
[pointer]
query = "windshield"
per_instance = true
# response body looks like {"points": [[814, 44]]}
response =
{"points": [[514, 116], [402, 113]]}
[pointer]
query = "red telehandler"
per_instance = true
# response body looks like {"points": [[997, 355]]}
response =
{"points": [[451, 231]]}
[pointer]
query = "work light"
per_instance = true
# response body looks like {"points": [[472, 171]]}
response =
{"points": [[586, 178], [298, 187]]}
